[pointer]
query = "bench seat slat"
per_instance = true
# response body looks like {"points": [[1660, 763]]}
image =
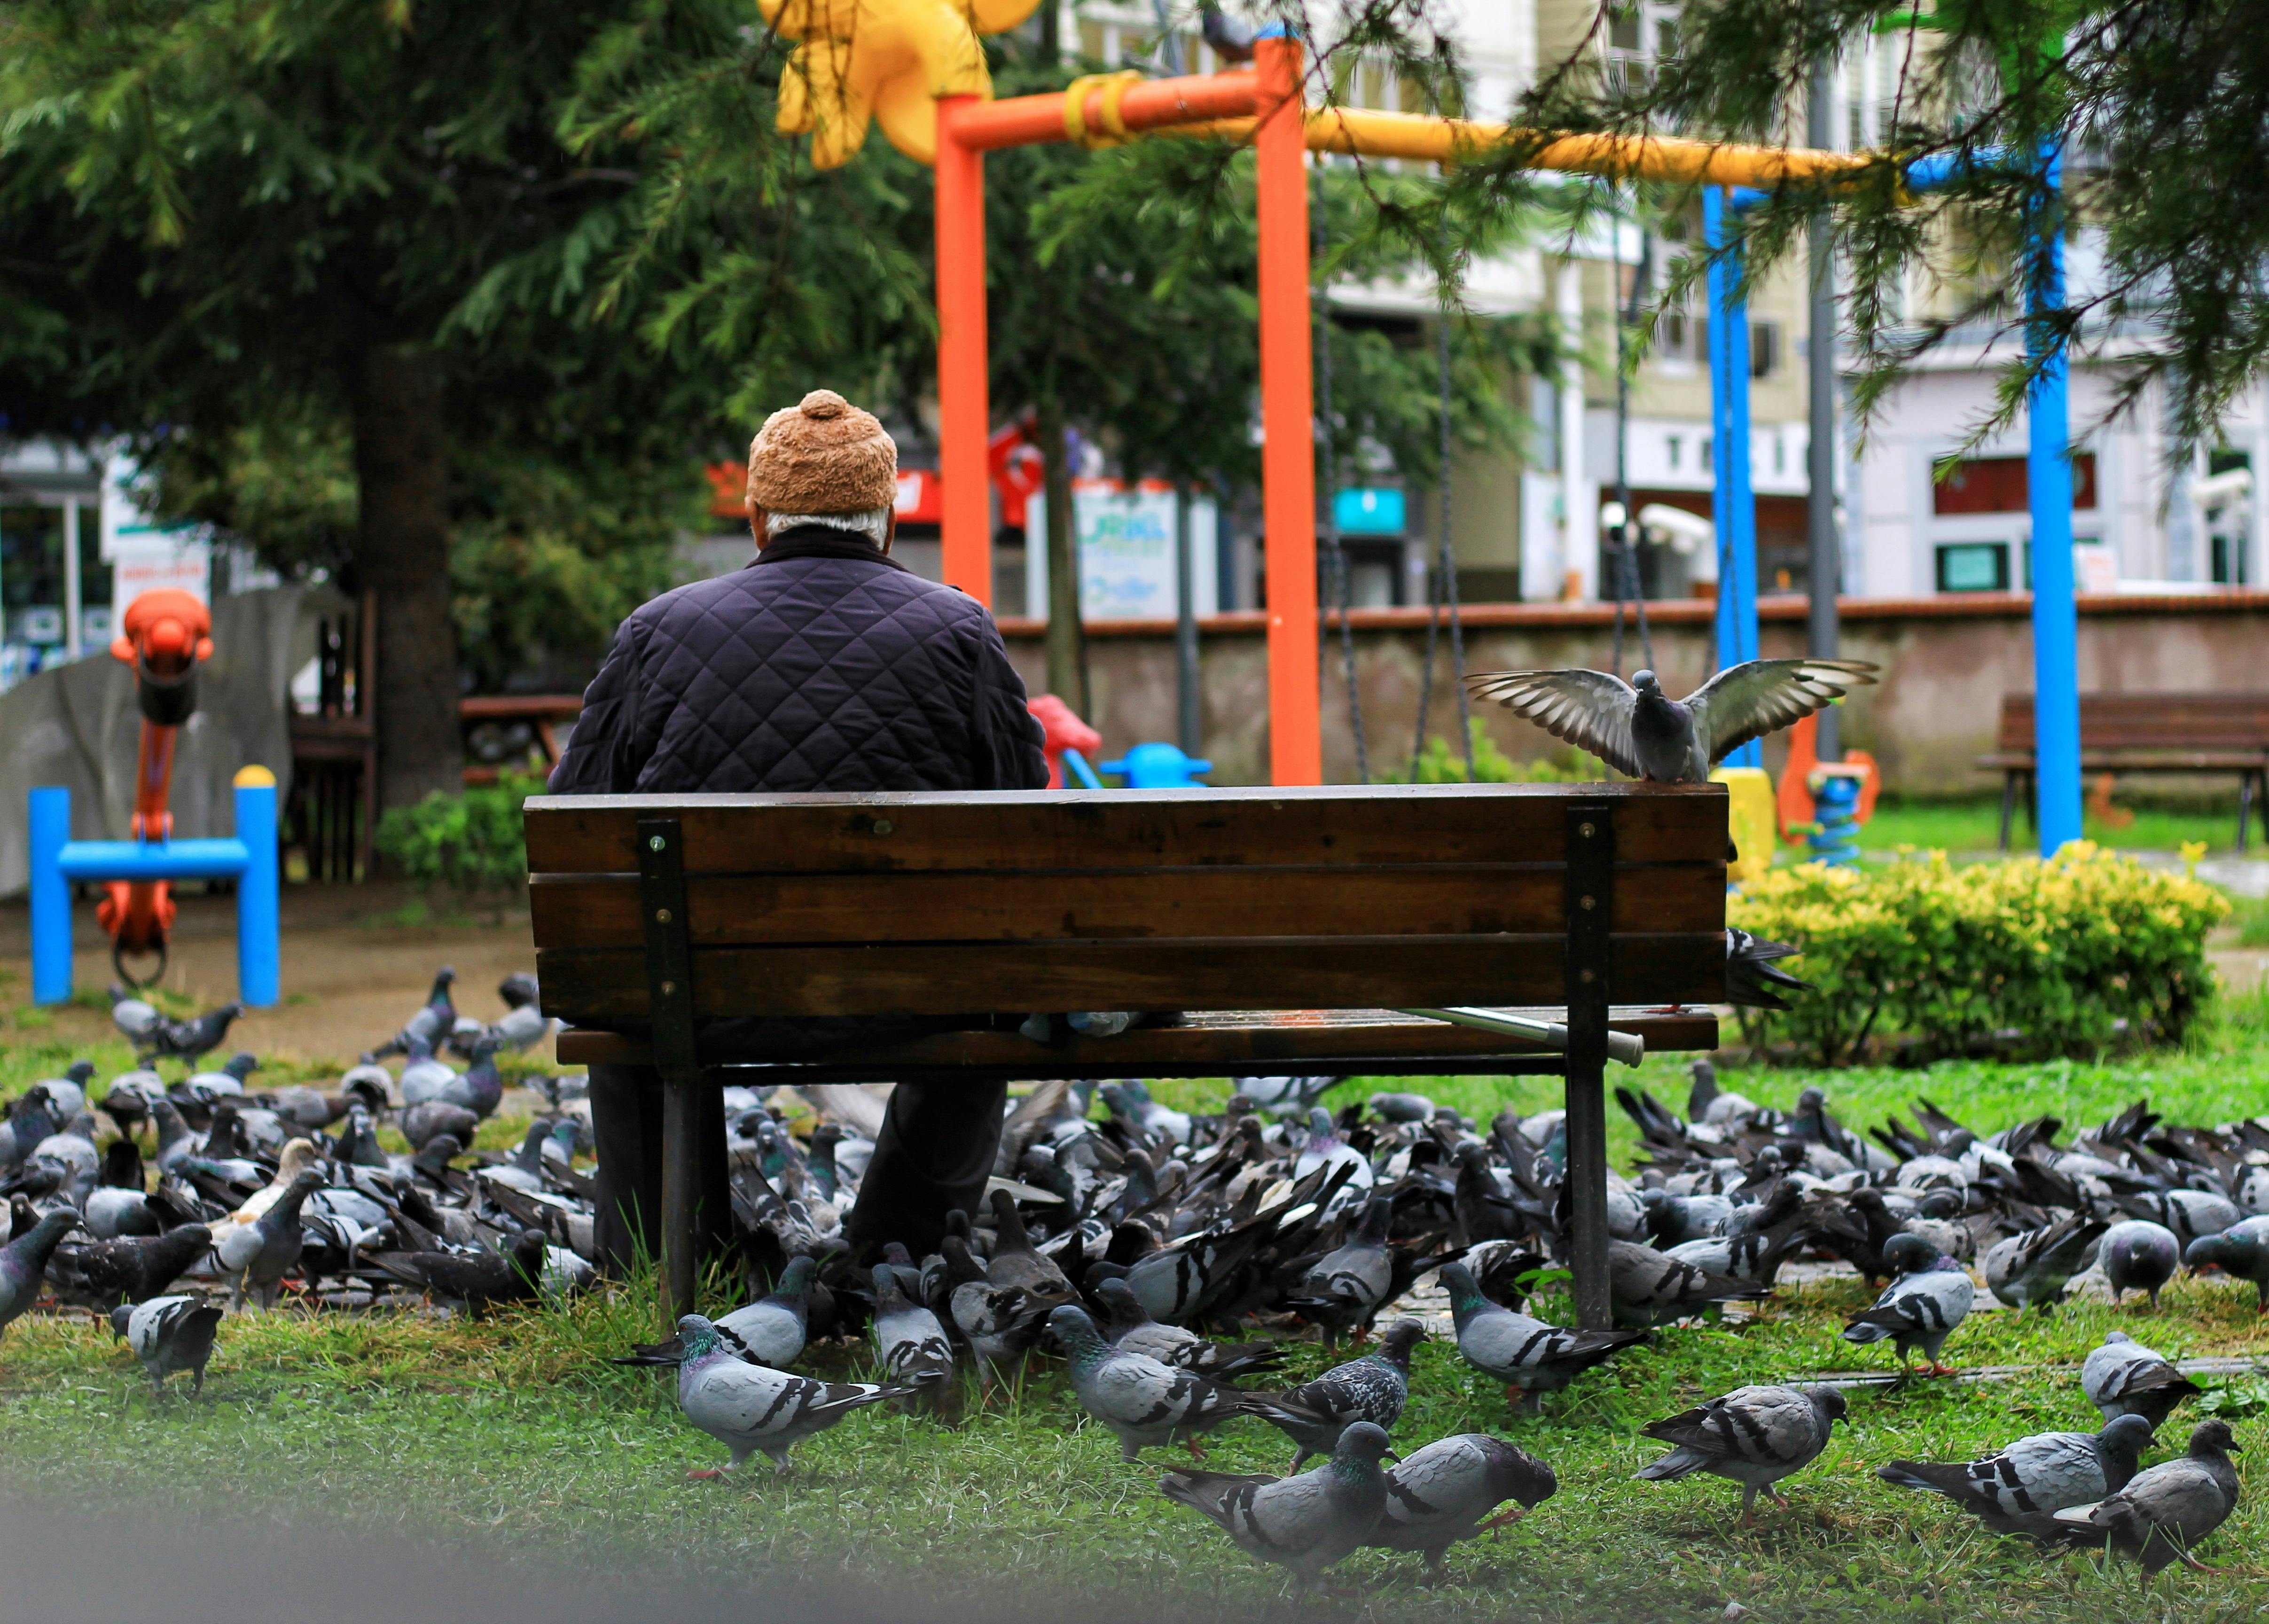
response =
{"points": [[1374, 1041], [1435, 900], [1049, 830], [600, 985]]}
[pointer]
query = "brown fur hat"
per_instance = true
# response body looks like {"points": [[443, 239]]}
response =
{"points": [[823, 456]]}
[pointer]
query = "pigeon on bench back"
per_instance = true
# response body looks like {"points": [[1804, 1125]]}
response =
{"points": [[1637, 730]]}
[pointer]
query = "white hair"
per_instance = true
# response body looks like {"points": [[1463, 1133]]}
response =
{"points": [[874, 524]]}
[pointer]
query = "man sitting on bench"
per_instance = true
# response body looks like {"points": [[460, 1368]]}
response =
{"points": [[825, 665]]}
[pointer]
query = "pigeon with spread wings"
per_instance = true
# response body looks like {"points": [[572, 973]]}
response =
{"points": [[1642, 731]]}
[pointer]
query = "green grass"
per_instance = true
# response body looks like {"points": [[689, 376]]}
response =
{"points": [[517, 1439], [1975, 825]]}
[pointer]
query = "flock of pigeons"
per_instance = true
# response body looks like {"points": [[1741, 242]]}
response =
{"points": [[1118, 1231]]}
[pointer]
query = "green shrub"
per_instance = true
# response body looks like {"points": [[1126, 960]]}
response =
{"points": [[2023, 957], [1438, 763], [471, 843]]}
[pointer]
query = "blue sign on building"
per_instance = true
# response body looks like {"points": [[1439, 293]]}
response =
{"points": [[1369, 513]]}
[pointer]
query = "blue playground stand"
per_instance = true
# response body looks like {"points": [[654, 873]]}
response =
{"points": [[250, 859], [1159, 766]]}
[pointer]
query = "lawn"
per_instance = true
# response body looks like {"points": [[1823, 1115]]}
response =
{"points": [[514, 1440], [1975, 825]]}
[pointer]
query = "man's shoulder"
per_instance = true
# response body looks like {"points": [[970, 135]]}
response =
{"points": [[755, 582]]}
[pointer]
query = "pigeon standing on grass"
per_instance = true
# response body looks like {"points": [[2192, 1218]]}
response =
{"points": [[188, 1041], [1348, 1284], [1649, 1287], [1145, 1403], [1639, 730], [1304, 1523], [1920, 1309], [2014, 1490], [1440, 1495], [2166, 1512], [2031, 1270], [1753, 1435], [169, 1334], [1530, 1356], [750, 1408], [2124, 1377], [2242, 1251], [24, 1262], [771, 1331], [478, 1279], [103, 1274], [911, 1341], [2139, 1256], [1133, 1329], [1373, 1388], [257, 1255]]}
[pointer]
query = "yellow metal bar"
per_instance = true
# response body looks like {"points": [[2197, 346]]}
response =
{"points": [[1463, 141]]}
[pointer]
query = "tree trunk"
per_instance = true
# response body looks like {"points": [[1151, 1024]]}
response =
{"points": [[1066, 638], [402, 552]]}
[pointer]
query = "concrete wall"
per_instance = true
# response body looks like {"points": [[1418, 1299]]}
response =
{"points": [[1947, 662]]}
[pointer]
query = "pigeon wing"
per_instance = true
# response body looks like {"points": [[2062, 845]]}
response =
{"points": [[1759, 697], [1590, 709]]}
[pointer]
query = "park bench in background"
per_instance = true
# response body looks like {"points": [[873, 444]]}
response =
{"points": [[1288, 926], [2187, 733]]}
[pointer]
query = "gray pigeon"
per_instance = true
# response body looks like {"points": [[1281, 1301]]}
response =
{"points": [[1920, 1309], [1304, 1523], [1639, 730], [2242, 1251], [2014, 1490], [2188, 1213], [1439, 1495], [2166, 1512], [747, 1407], [24, 1262], [1349, 1284], [769, 1331], [2124, 1377], [1142, 1401], [259, 1254], [1133, 1329], [2030, 1270], [911, 1340], [168, 1334], [2139, 1256], [1754, 1435], [1530, 1356], [1649, 1288], [1373, 1388]]}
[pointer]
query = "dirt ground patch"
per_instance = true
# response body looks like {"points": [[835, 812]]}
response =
{"points": [[354, 969]]}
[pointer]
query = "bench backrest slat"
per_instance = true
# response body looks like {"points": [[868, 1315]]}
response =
{"points": [[1316, 898], [2172, 721]]}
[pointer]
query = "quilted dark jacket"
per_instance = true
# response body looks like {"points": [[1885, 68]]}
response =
{"points": [[822, 665]]}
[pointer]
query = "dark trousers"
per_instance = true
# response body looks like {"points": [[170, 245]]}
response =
{"points": [[934, 1155]]}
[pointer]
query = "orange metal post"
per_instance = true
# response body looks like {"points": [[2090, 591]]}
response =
{"points": [[964, 410], [1295, 748]]}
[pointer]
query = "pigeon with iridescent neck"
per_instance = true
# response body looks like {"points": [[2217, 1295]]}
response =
{"points": [[1444, 1493], [1373, 1388], [24, 1262], [1532, 1357], [1305, 1523], [1920, 1309], [1141, 1401], [750, 1408]]}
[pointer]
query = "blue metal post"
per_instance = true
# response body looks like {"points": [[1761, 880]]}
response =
{"points": [[2056, 620], [259, 924], [51, 904], [1732, 503]]}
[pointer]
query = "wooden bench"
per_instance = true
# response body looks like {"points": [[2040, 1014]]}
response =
{"points": [[1288, 926], [2208, 732]]}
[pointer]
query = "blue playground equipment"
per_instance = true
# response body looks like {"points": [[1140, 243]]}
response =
{"points": [[1834, 838], [1158, 766], [2056, 619], [249, 858]]}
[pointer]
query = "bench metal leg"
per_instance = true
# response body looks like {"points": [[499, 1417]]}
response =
{"points": [[1590, 909], [2245, 783], [2008, 805], [669, 1003]]}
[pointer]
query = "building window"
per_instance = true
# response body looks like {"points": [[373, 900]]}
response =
{"points": [[1973, 566], [1672, 444], [2002, 486], [1764, 349]]}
